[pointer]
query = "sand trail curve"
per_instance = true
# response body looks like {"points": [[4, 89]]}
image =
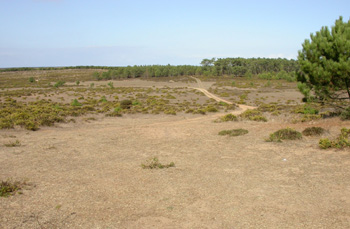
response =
{"points": [[218, 99]]}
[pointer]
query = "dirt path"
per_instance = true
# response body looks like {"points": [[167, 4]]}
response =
{"points": [[218, 99]]}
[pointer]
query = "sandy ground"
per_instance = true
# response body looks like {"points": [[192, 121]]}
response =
{"points": [[89, 175]]}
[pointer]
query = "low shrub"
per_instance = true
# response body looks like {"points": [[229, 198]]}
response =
{"points": [[75, 103], [253, 115], [313, 131], [342, 141], [284, 134], [59, 84], [126, 104], [234, 132], [211, 109], [227, 118]]}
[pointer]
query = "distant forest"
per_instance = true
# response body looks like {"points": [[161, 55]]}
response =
{"points": [[265, 68]]}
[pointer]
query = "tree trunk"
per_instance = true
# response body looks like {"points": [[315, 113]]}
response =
{"points": [[347, 87]]}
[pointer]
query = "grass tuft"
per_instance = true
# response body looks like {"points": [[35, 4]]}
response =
{"points": [[154, 163], [9, 187], [234, 132], [13, 144]]}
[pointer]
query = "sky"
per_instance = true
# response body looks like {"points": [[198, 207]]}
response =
{"points": [[42, 33]]}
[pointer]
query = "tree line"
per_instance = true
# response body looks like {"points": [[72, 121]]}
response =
{"points": [[266, 68]]}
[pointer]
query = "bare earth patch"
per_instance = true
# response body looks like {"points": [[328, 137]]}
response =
{"points": [[89, 176]]}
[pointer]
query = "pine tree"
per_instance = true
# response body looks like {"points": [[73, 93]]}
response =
{"points": [[325, 62]]}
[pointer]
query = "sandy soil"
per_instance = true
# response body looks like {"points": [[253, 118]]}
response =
{"points": [[89, 175]]}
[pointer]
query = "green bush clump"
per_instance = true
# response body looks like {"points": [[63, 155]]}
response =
{"points": [[234, 132], [154, 163], [342, 141], [227, 118], [253, 115], [284, 134], [313, 131], [34, 114], [59, 84], [307, 109], [211, 109], [126, 104], [103, 99], [75, 103], [310, 117]]}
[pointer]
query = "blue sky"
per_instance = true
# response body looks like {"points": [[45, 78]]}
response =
{"points": [[143, 32]]}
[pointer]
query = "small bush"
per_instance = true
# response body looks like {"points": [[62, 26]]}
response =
{"points": [[284, 134], [313, 131], [31, 80], [341, 142], [75, 103], [154, 163], [103, 99], [126, 104], [227, 118], [59, 84], [345, 115], [253, 115], [234, 132], [211, 109], [310, 117]]}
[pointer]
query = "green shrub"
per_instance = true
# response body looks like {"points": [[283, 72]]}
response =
{"points": [[253, 115], [126, 104], [31, 80], [136, 103], [59, 84], [110, 84], [234, 132], [227, 118], [342, 141], [75, 103], [284, 134], [310, 117], [313, 131], [307, 109], [211, 109], [103, 99], [325, 143], [154, 163]]}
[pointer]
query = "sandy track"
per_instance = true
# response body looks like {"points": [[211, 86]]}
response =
{"points": [[218, 99]]}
